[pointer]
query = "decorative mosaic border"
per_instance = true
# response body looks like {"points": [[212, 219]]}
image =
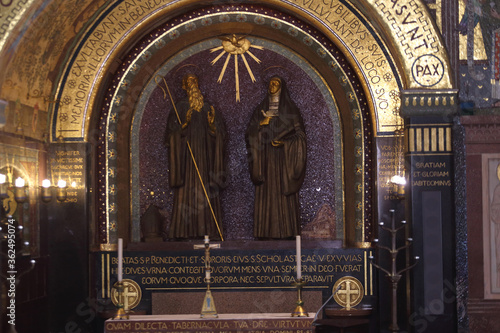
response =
{"points": [[11, 17]]}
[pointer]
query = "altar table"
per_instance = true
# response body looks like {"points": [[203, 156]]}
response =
{"points": [[225, 323]]}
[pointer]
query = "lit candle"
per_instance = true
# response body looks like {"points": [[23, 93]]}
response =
{"points": [[46, 183], [298, 256], [19, 182], [3, 187], [61, 183], [120, 259], [207, 264]]}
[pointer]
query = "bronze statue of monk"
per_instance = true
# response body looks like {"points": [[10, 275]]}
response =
{"points": [[202, 130]]}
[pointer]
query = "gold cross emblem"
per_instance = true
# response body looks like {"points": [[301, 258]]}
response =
{"points": [[350, 292], [132, 294]]}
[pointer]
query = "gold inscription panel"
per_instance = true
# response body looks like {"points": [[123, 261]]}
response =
{"points": [[432, 174], [386, 170], [296, 325], [69, 165], [235, 269]]}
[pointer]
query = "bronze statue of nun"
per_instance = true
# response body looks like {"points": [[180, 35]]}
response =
{"points": [[276, 145]]}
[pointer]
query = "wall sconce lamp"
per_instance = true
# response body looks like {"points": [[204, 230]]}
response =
{"points": [[46, 193], [3, 186], [398, 186], [61, 194], [20, 193]]}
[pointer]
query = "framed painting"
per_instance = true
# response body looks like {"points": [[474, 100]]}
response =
{"points": [[491, 225]]}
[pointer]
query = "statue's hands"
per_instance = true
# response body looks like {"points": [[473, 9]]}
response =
{"points": [[266, 119], [277, 143], [184, 127]]}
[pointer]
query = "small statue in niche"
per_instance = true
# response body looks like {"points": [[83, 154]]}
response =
{"points": [[276, 144], [151, 225], [196, 138]]}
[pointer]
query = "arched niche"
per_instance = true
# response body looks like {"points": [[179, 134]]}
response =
{"points": [[379, 63], [321, 81]]}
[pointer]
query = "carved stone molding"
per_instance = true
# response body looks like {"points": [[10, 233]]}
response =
{"points": [[481, 129], [483, 316], [478, 306], [422, 102]]}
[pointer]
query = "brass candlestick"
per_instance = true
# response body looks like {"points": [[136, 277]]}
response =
{"points": [[299, 309], [120, 313]]}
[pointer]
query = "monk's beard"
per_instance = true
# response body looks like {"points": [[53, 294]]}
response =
{"points": [[195, 98]]}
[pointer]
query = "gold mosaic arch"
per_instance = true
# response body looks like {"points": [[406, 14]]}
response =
{"points": [[415, 56]]}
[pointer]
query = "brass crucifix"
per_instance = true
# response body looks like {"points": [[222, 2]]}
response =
{"points": [[208, 308]]}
